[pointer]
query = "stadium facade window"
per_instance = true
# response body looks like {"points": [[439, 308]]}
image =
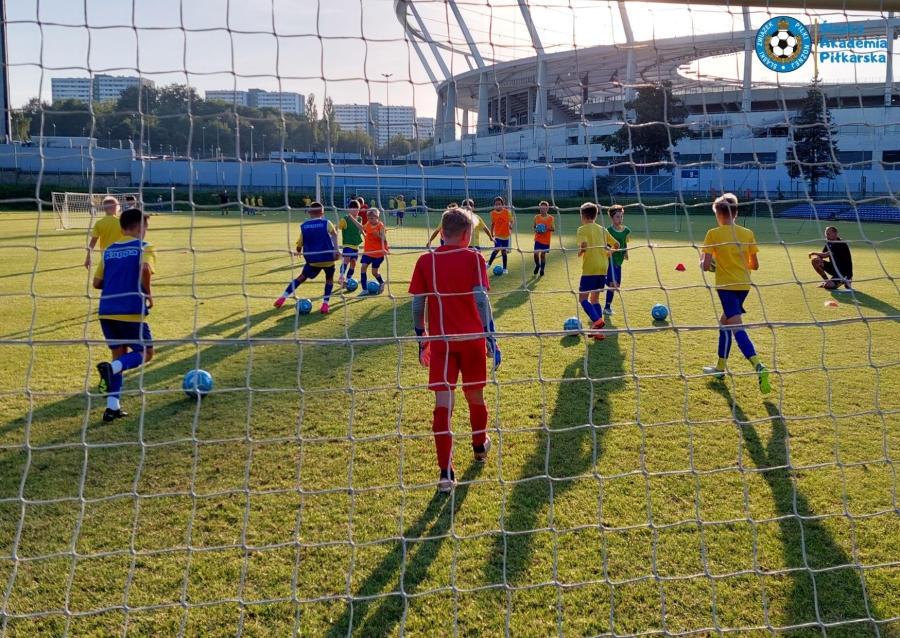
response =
{"points": [[751, 160], [855, 160], [891, 160]]}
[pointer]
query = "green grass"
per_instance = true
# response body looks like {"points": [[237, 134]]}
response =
{"points": [[625, 493]]}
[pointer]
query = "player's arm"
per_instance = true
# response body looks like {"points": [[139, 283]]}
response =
{"points": [[582, 248], [752, 260], [299, 252], [483, 304], [418, 310], [334, 238], [512, 220], [488, 233], [625, 248], [98, 283], [358, 225], [706, 262], [146, 272], [87, 260], [433, 235]]}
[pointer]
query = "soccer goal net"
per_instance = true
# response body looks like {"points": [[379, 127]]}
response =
{"points": [[151, 199], [75, 210], [411, 204], [216, 426]]}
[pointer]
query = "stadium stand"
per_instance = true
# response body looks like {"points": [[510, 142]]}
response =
{"points": [[871, 214], [813, 211]]}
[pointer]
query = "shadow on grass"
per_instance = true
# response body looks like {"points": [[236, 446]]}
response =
{"points": [[566, 453], [409, 561], [866, 301], [826, 584]]}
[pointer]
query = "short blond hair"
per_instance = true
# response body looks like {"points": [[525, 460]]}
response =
{"points": [[109, 199], [456, 221], [727, 204]]}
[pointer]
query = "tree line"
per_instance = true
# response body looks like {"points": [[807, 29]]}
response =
{"points": [[175, 120]]}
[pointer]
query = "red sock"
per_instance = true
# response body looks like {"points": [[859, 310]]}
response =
{"points": [[478, 418], [443, 440]]}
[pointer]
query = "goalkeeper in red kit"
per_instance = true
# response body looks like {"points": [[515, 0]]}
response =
{"points": [[451, 284]]}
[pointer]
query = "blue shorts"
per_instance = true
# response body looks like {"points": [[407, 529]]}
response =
{"points": [[136, 335], [501, 243], [350, 251], [311, 272], [614, 274], [732, 302], [400, 214], [374, 261], [591, 283], [542, 247]]}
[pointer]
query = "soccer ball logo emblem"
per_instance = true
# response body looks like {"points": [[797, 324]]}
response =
{"points": [[784, 46]]}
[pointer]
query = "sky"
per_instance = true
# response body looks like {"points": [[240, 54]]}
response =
{"points": [[338, 48]]}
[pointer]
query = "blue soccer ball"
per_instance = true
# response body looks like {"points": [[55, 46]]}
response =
{"points": [[659, 312], [373, 287], [572, 324], [197, 383], [304, 306], [541, 228], [498, 270], [352, 285]]}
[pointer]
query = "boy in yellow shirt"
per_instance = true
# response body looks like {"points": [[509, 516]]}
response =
{"points": [[730, 252], [106, 230], [593, 241]]}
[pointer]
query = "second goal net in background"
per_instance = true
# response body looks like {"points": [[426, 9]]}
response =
{"points": [[411, 204], [150, 198], [75, 210]]}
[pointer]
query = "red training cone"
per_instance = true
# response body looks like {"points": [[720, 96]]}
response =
{"points": [[680, 268]]}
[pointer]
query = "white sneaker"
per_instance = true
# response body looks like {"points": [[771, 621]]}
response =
{"points": [[505, 271], [445, 484], [713, 371], [608, 311], [481, 457]]}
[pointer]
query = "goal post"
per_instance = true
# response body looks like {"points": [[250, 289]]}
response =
{"points": [[151, 199], [411, 205], [75, 210]]}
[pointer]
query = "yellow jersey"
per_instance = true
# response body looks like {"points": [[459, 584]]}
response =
{"points": [[107, 230], [731, 247], [596, 259]]}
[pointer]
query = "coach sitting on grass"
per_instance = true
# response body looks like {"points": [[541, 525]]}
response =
{"points": [[834, 261]]}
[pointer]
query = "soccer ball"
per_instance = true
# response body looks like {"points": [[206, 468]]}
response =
{"points": [[373, 287], [352, 285], [304, 306], [712, 265], [498, 270], [783, 44], [659, 312], [197, 383], [572, 324], [541, 228]]}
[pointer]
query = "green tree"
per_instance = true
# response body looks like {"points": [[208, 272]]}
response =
{"points": [[353, 142], [398, 145], [21, 125], [813, 152], [654, 130]]}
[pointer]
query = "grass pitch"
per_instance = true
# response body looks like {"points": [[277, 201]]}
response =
{"points": [[625, 493]]}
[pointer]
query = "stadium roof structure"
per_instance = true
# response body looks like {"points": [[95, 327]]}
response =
{"points": [[597, 73]]}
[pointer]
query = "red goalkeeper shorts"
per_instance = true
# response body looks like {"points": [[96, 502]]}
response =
{"points": [[450, 358]]}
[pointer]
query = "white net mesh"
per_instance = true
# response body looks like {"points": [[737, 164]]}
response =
{"points": [[628, 491]]}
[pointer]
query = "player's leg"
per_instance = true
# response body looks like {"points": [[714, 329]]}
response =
{"points": [[537, 258], [131, 344], [364, 275], [595, 296], [544, 251], [724, 349], [308, 272], [376, 266], [586, 285], [473, 366], [443, 374], [613, 281], [494, 252], [345, 262], [733, 306], [503, 255], [818, 265], [329, 287]]}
